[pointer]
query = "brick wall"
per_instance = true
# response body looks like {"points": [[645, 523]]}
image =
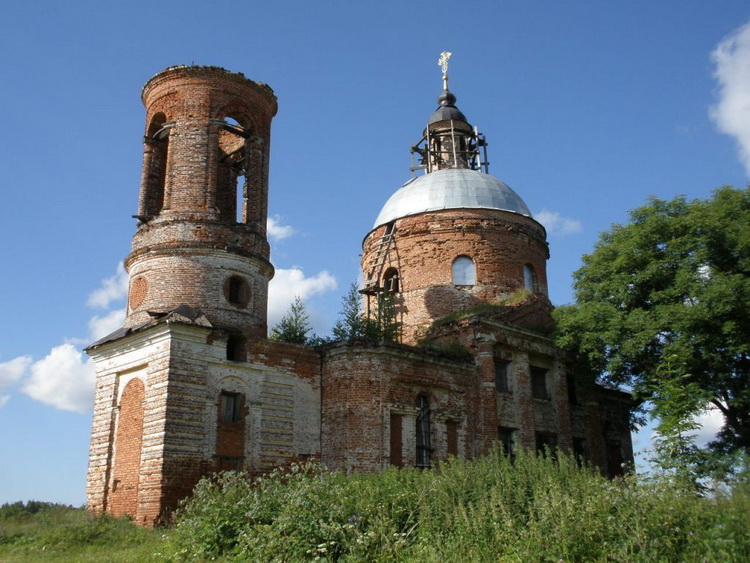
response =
{"points": [[142, 356], [127, 450], [204, 128], [184, 371], [340, 405], [364, 386], [500, 243]]}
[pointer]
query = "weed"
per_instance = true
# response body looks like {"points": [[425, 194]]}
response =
{"points": [[532, 509]]}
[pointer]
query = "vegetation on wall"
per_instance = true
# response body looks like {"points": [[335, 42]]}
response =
{"points": [[450, 350], [518, 297]]}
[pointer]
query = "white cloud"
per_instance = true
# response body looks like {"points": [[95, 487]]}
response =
{"points": [[558, 225], [111, 289], [104, 325], [288, 283], [277, 231], [710, 423], [731, 113], [12, 370], [11, 373], [63, 379]]}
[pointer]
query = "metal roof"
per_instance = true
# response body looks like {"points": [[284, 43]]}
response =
{"points": [[447, 109], [445, 113], [452, 188]]}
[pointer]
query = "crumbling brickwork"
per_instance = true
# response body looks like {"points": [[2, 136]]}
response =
{"points": [[190, 385], [365, 389], [205, 128], [185, 373]]}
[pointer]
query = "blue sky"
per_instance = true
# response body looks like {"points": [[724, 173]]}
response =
{"points": [[589, 107]]}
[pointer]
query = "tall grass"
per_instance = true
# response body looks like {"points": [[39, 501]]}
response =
{"points": [[37, 531], [535, 509]]}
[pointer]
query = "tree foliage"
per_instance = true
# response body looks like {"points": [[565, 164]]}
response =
{"points": [[294, 326], [357, 324], [385, 318], [673, 283], [351, 325], [677, 401]]}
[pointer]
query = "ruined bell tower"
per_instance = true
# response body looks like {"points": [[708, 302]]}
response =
{"points": [[201, 238], [174, 394]]}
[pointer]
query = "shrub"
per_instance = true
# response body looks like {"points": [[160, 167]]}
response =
{"points": [[534, 508], [300, 513], [15, 509], [210, 522], [450, 350]]}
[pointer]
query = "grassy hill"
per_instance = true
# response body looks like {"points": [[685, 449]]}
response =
{"points": [[534, 509]]}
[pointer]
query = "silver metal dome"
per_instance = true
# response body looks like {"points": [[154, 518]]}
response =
{"points": [[452, 188]]}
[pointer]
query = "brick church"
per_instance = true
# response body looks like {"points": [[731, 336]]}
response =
{"points": [[191, 384]]}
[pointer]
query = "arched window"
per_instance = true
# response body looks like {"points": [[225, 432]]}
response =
{"points": [[464, 272], [230, 432], [529, 279], [155, 167], [424, 447], [231, 406], [391, 282], [230, 193]]}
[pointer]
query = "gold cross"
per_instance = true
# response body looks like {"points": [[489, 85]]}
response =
{"points": [[443, 61]]}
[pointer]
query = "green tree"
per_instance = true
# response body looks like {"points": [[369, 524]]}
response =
{"points": [[673, 283], [677, 401], [387, 326], [353, 325], [356, 324], [294, 326]]}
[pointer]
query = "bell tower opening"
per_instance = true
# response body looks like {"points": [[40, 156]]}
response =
{"points": [[231, 196], [241, 199], [203, 200], [449, 141], [155, 164]]}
